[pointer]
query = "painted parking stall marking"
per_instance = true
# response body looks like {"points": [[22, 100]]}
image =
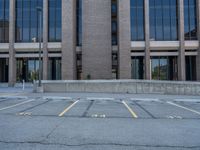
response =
{"points": [[174, 117], [192, 100], [56, 97], [68, 108], [98, 116], [130, 110], [183, 107], [100, 98], [146, 99], [22, 103]]}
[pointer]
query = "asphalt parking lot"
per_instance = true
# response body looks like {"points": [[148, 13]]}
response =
{"points": [[56, 121]]}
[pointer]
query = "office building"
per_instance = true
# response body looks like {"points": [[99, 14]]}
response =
{"points": [[100, 39]]}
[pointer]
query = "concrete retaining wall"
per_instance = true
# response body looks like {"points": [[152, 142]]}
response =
{"points": [[17, 85], [123, 86]]}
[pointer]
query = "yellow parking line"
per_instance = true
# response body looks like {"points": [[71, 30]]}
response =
{"points": [[17, 104], [68, 108], [130, 110]]}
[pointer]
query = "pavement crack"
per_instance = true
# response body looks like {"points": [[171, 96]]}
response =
{"points": [[51, 132], [99, 144]]}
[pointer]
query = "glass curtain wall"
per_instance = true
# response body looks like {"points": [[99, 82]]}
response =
{"points": [[54, 68], [137, 67], [163, 20], [164, 68], [27, 20], [79, 22], [190, 19], [27, 69], [4, 21], [54, 19], [137, 20], [190, 68]]}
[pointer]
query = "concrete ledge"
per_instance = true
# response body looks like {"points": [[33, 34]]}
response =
{"points": [[123, 86], [17, 85]]}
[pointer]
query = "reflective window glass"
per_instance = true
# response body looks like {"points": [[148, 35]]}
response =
{"points": [[27, 69], [54, 21], [137, 67], [79, 22], [190, 18], [4, 21], [137, 20], [164, 68], [54, 68], [163, 20], [190, 64], [27, 20]]}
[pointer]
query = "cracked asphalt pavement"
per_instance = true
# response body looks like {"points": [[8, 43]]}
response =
{"points": [[96, 121]]}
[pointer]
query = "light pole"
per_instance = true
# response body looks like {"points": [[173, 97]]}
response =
{"points": [[39, 11]]}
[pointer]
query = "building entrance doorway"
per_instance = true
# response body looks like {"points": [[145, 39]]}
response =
{"points": [[27, 69], [164, 68]]}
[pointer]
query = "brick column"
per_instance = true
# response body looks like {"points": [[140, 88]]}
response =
{"points": [[198, 27], [96, 47], [181, 56], [124, 39], [12, 59], [68, 39], [45, 39], [147, 41]]}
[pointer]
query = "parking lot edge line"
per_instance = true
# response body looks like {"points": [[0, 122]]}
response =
{"points": [[8, 107], [130, 110], [191, 110], [68, 108]]}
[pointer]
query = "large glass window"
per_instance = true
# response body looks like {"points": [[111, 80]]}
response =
{"points": [[190, 19], [4, 21], [137, 20], [164, 68], [79, 23], [114, 22], [27, 20], [54, 69], [54, 16], [163, 20], [27, 69], [190, 62], [137, 67]]}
